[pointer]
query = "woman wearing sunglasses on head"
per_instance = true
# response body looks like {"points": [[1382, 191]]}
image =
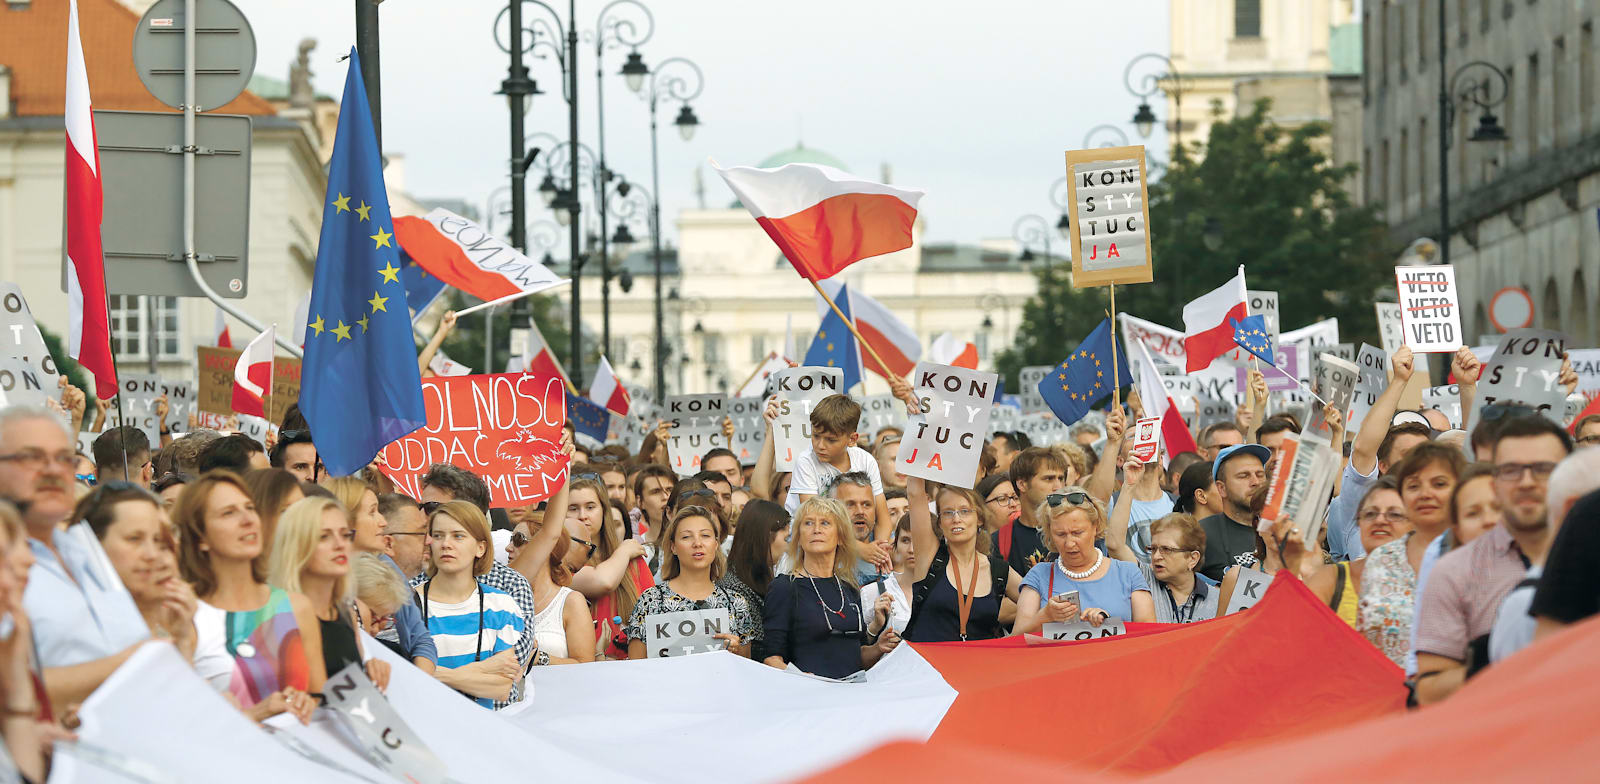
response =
{"points": [[1104, 587], [691, 565], [959, 587]]}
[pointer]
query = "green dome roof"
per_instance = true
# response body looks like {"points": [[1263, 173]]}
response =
{"points": [[801, 154]]}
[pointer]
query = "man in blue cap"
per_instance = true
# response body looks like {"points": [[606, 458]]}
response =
{"points": [[1239, 471]]}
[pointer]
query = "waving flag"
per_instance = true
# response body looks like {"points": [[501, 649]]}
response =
{"points": [[824, 219], [1208, 323], [464, 254], [1085, 376], [221, 338], [588, 417], [889, 336], [1157, 403], [834, 345], [421, 288], [89, 318], [538, 358], [252, 375], [947, 349], [607, 390], [1250, 334], [360, 388]]}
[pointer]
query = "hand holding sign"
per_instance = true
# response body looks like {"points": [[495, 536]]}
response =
{"points": [[1132, 472]]}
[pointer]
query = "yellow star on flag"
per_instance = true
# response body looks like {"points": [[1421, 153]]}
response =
{"points": [[341, 332], [363, 322], [377, 303], [830, 346], [382, 238], [341, 204], [390, 273], [363, 210], [830, 363], [317, 325]]}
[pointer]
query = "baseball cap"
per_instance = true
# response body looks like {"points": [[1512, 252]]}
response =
{"points": [[1261, 452]]}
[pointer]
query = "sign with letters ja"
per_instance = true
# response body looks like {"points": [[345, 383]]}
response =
{"points": [[944, 442], [1109, 216]]}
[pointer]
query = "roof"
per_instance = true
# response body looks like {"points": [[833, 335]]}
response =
{"points": [[801, 154], [33, 43], [1344, 50], [966, 258]]}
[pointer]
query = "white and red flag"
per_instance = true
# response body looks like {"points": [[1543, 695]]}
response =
{"points": [[824, 219], [897, 343], [537, 358], [464, 254], [219, 331], [1175, 435], [1208, 323], [607, 390], [252, 375], [89, 325], [947, 349]]}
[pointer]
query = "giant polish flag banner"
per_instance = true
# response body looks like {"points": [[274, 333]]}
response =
{"points": [[897, 343], [504, 427], [89, 323], [824, 219], [464, 254], [1208, 323]]}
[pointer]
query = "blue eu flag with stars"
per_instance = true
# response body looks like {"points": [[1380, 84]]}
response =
{"points": [[360, 388], [835, 344], [1085, 376], [421, 288], [1250, 334], [588, 417]]}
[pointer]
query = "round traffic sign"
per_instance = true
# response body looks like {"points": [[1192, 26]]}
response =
{"points": [[1511, 308], [224, 48]]}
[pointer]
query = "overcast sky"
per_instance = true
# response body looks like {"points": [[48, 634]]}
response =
{"points": [[973, 102]]}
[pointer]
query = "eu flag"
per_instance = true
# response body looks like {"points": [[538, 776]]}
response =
{"points": [[1250, 334], [421, 288], [1085, 376], [588, 417], [835, 344], [359, 388]]}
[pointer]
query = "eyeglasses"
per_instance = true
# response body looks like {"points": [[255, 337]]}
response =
{"points": [[592, 477], [429, 507], [1169, 551], [1590, 440], [518, 538], [35, 459], [1004, 500], [1392, 515], [1503, 410], [1512, 472], [586, 543], [688, 494], [293, 436], [1057, 499], [957, 514]]}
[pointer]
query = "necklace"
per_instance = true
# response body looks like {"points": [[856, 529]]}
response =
{"points": [[1098, 557], [813, 580]]}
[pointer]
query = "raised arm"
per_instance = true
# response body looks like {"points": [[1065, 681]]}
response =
{"points": [[761, 478], [1105, 471], [1117, 527], [535, 556], [1364, 452], [1466, 367], [595, 582], [446, 324], [924, 541]]}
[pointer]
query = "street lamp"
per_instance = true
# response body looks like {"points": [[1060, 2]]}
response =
{"points": [[547, 189], [624, 201], [678, 79], [1030, 229], [1480, 84], [1144, 119], [1109, 136]]}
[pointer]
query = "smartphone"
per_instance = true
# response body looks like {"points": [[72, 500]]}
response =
{"points": [[1067, 596]]}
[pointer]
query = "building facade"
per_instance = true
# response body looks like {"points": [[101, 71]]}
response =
{"points": [[1522, 211]]}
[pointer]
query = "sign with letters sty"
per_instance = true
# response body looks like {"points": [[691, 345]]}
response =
{"points": [[1109, 216], [385, 738], [1430, 308], [944, 442], [798, 389], [1524, 370], [696, 428]]}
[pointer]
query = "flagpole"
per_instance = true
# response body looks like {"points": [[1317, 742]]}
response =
{"points": [[500, 301], [1116, 380], [852, 325], [771, 355]]}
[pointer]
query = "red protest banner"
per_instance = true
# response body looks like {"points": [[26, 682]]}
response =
{"points": [[504, 427]]}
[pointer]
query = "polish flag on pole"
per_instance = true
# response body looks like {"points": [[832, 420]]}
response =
{"points": [[89, 322], [606, 389], [824, 219], [889, 336], [1175, 437], [537, 358], [948, 350], [219, 328], [252, 375], [1208, 323]]}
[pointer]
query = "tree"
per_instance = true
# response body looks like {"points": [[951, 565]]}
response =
{"points": [[1283, 213]]}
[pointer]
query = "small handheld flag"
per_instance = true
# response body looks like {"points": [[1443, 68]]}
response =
{"points": [[1085, 376], [1250, 334]]}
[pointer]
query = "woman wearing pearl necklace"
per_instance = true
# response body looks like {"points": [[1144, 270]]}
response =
{"points": [[1106, 588], [959, 586], [814, 617]]}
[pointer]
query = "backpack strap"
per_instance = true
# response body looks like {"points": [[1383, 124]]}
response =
{"points": [[1338, 587], [999, 576], [921, 590]]}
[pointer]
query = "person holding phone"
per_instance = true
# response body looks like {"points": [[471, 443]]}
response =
{"points": [[1109, 588]]}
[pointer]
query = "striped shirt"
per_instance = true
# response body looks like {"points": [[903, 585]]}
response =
{"points": [[1464, 592], [455, 628]]}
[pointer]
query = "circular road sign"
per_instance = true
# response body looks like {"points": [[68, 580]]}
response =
{"points": [[1511, 308], [225, 52]]}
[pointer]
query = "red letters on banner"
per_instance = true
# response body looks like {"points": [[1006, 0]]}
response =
{"points": [[504, 427]]}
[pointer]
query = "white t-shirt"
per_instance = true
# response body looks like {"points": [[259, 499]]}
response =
{"points": [[899, 614], [811, 474], [211, 658]]}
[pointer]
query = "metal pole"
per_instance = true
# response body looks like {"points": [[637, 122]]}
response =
{"points": [[655, 249], [576, 362], [367, 48], [602, 180], [152, 343], [1444, 153]]}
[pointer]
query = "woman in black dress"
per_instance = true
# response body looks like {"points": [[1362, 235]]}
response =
{"points": [[959, 584]]}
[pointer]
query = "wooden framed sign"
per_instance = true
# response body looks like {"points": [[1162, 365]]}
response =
{"points": [[1109, 213]]}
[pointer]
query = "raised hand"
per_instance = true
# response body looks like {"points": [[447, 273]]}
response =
{"points": [[727, 429], [1132, 472], [1116, 423], [1402, 364], [1465, 367]]}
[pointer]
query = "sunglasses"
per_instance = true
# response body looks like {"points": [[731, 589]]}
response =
{"points": [[429, 507], [590, 477], [1057, 499], [688, 494]]}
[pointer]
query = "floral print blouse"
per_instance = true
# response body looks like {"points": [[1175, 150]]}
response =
{"points": [[1388, 588]]}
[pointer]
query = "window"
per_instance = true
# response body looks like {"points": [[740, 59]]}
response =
{"points": [[1461, 17], [1246, 18], [135, 321], [1366, 58], [1558, 95], [758, 347], [713, 349], [1586, 78], [1422, 35], [1397, 16], [980, 339], [1385, 19], [1383, 175], [1366, 166]]}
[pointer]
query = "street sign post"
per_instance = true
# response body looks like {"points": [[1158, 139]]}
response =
{"points": [[225, 52]]}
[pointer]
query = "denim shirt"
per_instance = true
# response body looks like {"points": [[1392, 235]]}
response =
{"points": [[80, 610], [410, 631]]}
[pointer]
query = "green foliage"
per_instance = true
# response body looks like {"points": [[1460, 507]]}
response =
{"points": [[68, 366], [465, 344], [1284, 215]]}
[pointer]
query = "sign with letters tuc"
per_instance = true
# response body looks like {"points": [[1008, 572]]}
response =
{"points": [[797, 390], [944, 442], [1430, 308], [685, 633], [1108, 217], [696, 422], [504, 427]]}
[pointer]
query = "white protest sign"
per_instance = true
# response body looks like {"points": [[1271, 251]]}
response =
{"points": [[443, 365], [1586, 363], [1318, 336], [1374, 367], [945, 441], [1334, 380], [20, 338], [1445, 398], [1043, 429], [696, 427], [1003, 419], [1302, 484], [1525, 370], [385, 738], [685, 633], [1029, 377], [1430, 308], [1248, 590], [253, 426], [1146, 439], [879, 412], [22, 384], [1391, 332], [1284, 379], [1083, 630], [797, 390], [140, 392], [748, 428], [1110, 210], [1265, 304]]}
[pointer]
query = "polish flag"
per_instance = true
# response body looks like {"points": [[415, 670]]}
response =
{"points": [[537, 358], [894, 341], [252, 375], [1175, 437], [89, 321], [464, 254], [948, 350], [219, 329], [1208, 323], [606, 389], [824, 219]]}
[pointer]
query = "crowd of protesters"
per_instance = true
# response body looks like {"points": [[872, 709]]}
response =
{"points": [[268, 575]]}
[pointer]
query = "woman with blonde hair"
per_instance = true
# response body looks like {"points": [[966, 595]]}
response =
{"points": [[469, 621], [1080, 582], [259, 642], [311, 556], [958, 587], [813, 617], [692, 562]]}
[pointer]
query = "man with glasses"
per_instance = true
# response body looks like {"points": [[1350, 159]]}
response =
{"points": [[405, 533], [123, 453], [84, 623], [1588, 431], [1457, 609]]}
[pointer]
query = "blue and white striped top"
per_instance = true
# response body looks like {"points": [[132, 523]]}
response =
{"points": [[454, 627]]}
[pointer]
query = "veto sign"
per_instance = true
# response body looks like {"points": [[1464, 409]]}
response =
{"points": [[685, 633], [505, 428], [944, 442], [797, 390], [1249, 589], [696, 422], [215, 396], [1430, 308], [1109, 216]]}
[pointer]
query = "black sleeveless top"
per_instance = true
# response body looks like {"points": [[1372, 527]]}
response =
{"points": [[338, 644], [936, 615]]}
